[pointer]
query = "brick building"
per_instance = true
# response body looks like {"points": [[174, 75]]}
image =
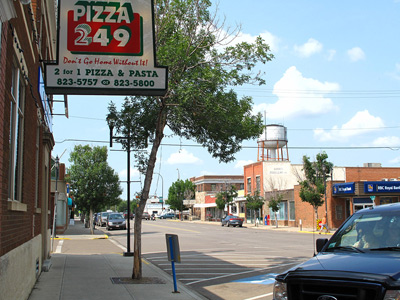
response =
{"points": [[27, 38], [207, 187], [348, 190]]}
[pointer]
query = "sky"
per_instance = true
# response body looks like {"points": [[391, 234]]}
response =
{"points": [[334, 84]]}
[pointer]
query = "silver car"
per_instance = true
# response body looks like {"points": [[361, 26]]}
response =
{"points": [[102, 219]]}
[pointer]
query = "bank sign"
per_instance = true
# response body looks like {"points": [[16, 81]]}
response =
{"points": [[106, 47], [382, 187], [343, 188]]}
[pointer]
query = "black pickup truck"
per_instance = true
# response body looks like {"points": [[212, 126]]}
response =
{"points": [[360, 261]]}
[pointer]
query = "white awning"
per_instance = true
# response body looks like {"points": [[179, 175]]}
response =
{"points": [[200, 205]]}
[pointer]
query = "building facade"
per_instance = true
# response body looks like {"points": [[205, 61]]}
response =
{"points": [[348, 189], [207, 187], [27, 38]]}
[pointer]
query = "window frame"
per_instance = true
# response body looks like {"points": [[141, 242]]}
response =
{"points": [[16, 135]]}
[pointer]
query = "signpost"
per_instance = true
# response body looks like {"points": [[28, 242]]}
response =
{"points": [[173, 254]]}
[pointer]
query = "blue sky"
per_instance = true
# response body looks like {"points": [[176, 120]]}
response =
{"points": [[334, 83]]}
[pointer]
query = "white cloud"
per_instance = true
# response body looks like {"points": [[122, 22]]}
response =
{"points": [[299, 96], [311, 47], [241, 163], [361, 123], [331, 54], [356, 54], [183, 157], [397, 159], [396, 73], [387, 141], [123, 175]]}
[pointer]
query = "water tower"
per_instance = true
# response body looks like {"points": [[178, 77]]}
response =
{"points": [[272, 144]]}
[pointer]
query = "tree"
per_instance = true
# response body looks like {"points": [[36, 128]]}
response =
{"points": [[178, 191], [93, 182], [225, 198], [200, 103], [274, 205], [312, 189], [255, 203]]}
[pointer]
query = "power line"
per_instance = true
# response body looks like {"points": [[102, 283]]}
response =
{"points": [[394, 148]]}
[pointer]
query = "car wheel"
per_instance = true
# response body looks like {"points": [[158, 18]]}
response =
{"points": [[228, 225], [240, 225], [222, 225]]}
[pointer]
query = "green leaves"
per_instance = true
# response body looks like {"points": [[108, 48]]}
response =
{"points": [[226, 197], [312, 189], [179, 191], [93, 182], [255, 202]]}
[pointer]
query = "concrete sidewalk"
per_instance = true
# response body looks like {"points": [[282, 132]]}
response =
{"points": [[90, 267]]}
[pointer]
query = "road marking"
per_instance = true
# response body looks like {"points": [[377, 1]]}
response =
{"points": [[261, 279], [118, 245], [174, 228], [59, 246], [258, 297], [234, 274]]}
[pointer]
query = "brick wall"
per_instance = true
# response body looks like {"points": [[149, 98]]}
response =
{"points": [[18, 227], [354, 174]]}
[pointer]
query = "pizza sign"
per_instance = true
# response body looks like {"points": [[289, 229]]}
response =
{"points": [[106, 48], [104, 28]]}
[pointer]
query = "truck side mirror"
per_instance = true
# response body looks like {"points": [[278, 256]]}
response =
{"points": [[320, 243]]}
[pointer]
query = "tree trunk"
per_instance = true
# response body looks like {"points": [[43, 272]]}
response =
{"points": [[91, 220], [137, 256], [276, 219]]}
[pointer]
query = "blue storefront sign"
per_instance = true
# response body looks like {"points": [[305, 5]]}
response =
{"points": [[343, 188], [382, 187]]}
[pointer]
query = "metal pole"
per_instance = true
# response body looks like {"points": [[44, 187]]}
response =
{"points": [[326, 204], [162, 191], [128, 231], [55, 205]]}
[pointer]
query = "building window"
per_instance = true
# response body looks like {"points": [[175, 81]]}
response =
{"points": [[213, 187], [292, 211], [242, 186], [339, 212], [248, 185], [16, 135], [258, 183]]}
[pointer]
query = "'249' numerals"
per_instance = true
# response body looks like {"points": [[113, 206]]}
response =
{"points": [[102, 36]]}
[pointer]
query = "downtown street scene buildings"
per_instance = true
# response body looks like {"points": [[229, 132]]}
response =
{"points": [[34, 201]]}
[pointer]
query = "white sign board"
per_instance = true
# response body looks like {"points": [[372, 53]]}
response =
{"points": [[106, 47]]}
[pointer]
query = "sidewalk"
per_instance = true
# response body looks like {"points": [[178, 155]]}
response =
{"points": [[87, 267]]}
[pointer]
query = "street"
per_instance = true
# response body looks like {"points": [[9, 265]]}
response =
{"points": [[223, 262]]}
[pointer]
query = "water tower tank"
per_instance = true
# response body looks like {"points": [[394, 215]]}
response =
{"points": [[271, 143]]}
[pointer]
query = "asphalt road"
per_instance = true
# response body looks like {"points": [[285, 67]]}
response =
{"points": [[220, 262]]}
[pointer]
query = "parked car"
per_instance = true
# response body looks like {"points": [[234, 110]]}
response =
{"points": [[102, 219], [146, 215], [115, 221], [126, 215], [232, 221], [167, 216], [360, 261]]}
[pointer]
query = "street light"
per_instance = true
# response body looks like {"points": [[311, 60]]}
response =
{"points": [[326, 204], [56, 165], [111, 120], [162, 191]]}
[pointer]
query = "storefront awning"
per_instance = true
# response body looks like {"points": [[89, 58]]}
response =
{"points": [[200, 205]]}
